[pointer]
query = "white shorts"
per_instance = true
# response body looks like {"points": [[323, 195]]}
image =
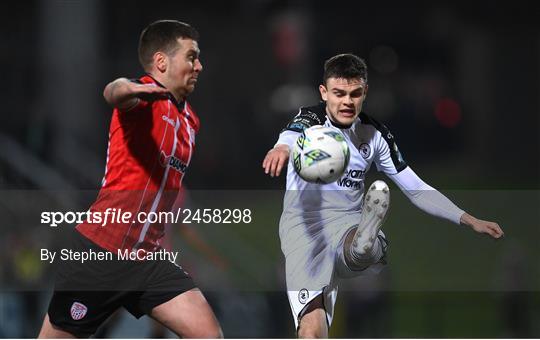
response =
{"points": [[315, 268]]}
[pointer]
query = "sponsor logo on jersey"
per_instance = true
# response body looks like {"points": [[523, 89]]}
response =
{"points": [[311, 116], [349, 183], [303, 296], [353, 179], [297, 126], [355, 173], [173, 162], [177, 164], [78, 311], [303, 120], [365, 150]]}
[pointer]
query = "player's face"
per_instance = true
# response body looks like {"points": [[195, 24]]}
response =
{"points": [[344, 98], [184, 67]]}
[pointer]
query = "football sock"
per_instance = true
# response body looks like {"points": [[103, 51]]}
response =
{"points": [[368, 256]]}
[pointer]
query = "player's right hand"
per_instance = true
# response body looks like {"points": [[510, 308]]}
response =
{"points": [[275, 160], [483, 227]]}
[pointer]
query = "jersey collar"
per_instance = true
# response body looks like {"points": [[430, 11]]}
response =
{"points": [[180, 105], [338, 125], [322, 108]]}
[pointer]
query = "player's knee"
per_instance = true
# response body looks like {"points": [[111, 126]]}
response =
{"points": [[217, 334], [213, 332], [310, 332]]}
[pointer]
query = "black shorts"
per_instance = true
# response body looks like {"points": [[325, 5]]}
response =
{"points": [[86, 294]]}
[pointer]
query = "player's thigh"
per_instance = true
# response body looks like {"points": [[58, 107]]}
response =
{"points": [[188, 315], [49, 331], [312, 323]]}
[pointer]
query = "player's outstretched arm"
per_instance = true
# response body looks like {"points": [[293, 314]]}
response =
{"points": [[481, 226], [125, 94], [275, 159], [435, 203]]}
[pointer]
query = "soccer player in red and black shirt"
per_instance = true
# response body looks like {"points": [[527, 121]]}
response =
{"points": [[151, 142]]}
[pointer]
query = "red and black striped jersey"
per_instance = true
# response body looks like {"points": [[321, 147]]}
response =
{"points": [[150, 148]]}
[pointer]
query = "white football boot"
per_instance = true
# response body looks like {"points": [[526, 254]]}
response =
{"points": [[376, 205]]}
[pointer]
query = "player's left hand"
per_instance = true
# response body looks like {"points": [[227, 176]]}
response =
{"points": [[482, 227]]}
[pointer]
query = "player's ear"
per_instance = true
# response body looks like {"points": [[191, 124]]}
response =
{"points": [[324, 92], [366, 91], [160, 61]]}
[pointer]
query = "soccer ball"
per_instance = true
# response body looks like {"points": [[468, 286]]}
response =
{"points": [[321, 154]]}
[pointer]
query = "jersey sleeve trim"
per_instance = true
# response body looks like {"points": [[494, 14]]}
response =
{"points": [[395, 154], [307, 117]]}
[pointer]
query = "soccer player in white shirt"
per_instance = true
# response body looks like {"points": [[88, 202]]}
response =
{"points": [[331, 231]]}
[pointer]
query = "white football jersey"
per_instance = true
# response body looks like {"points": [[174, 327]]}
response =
{"points": [[310, 208]]}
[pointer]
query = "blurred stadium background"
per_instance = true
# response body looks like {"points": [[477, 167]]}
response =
{"points": [[458, 83]]}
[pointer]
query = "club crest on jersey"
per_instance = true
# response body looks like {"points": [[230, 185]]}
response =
{"points": [[365, 150], [303, 296], [78, 311]]}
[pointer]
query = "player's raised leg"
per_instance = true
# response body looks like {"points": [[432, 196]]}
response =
{"points": [[189, 316], [312, 323], [49, 331], [363, 246]]}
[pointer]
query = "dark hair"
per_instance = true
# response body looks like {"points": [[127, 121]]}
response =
{"points": [[162, 35], [346, 66]]}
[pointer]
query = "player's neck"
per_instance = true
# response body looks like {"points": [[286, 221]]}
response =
{"points": [[337, 124], [179, 97], [162, 81]]}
